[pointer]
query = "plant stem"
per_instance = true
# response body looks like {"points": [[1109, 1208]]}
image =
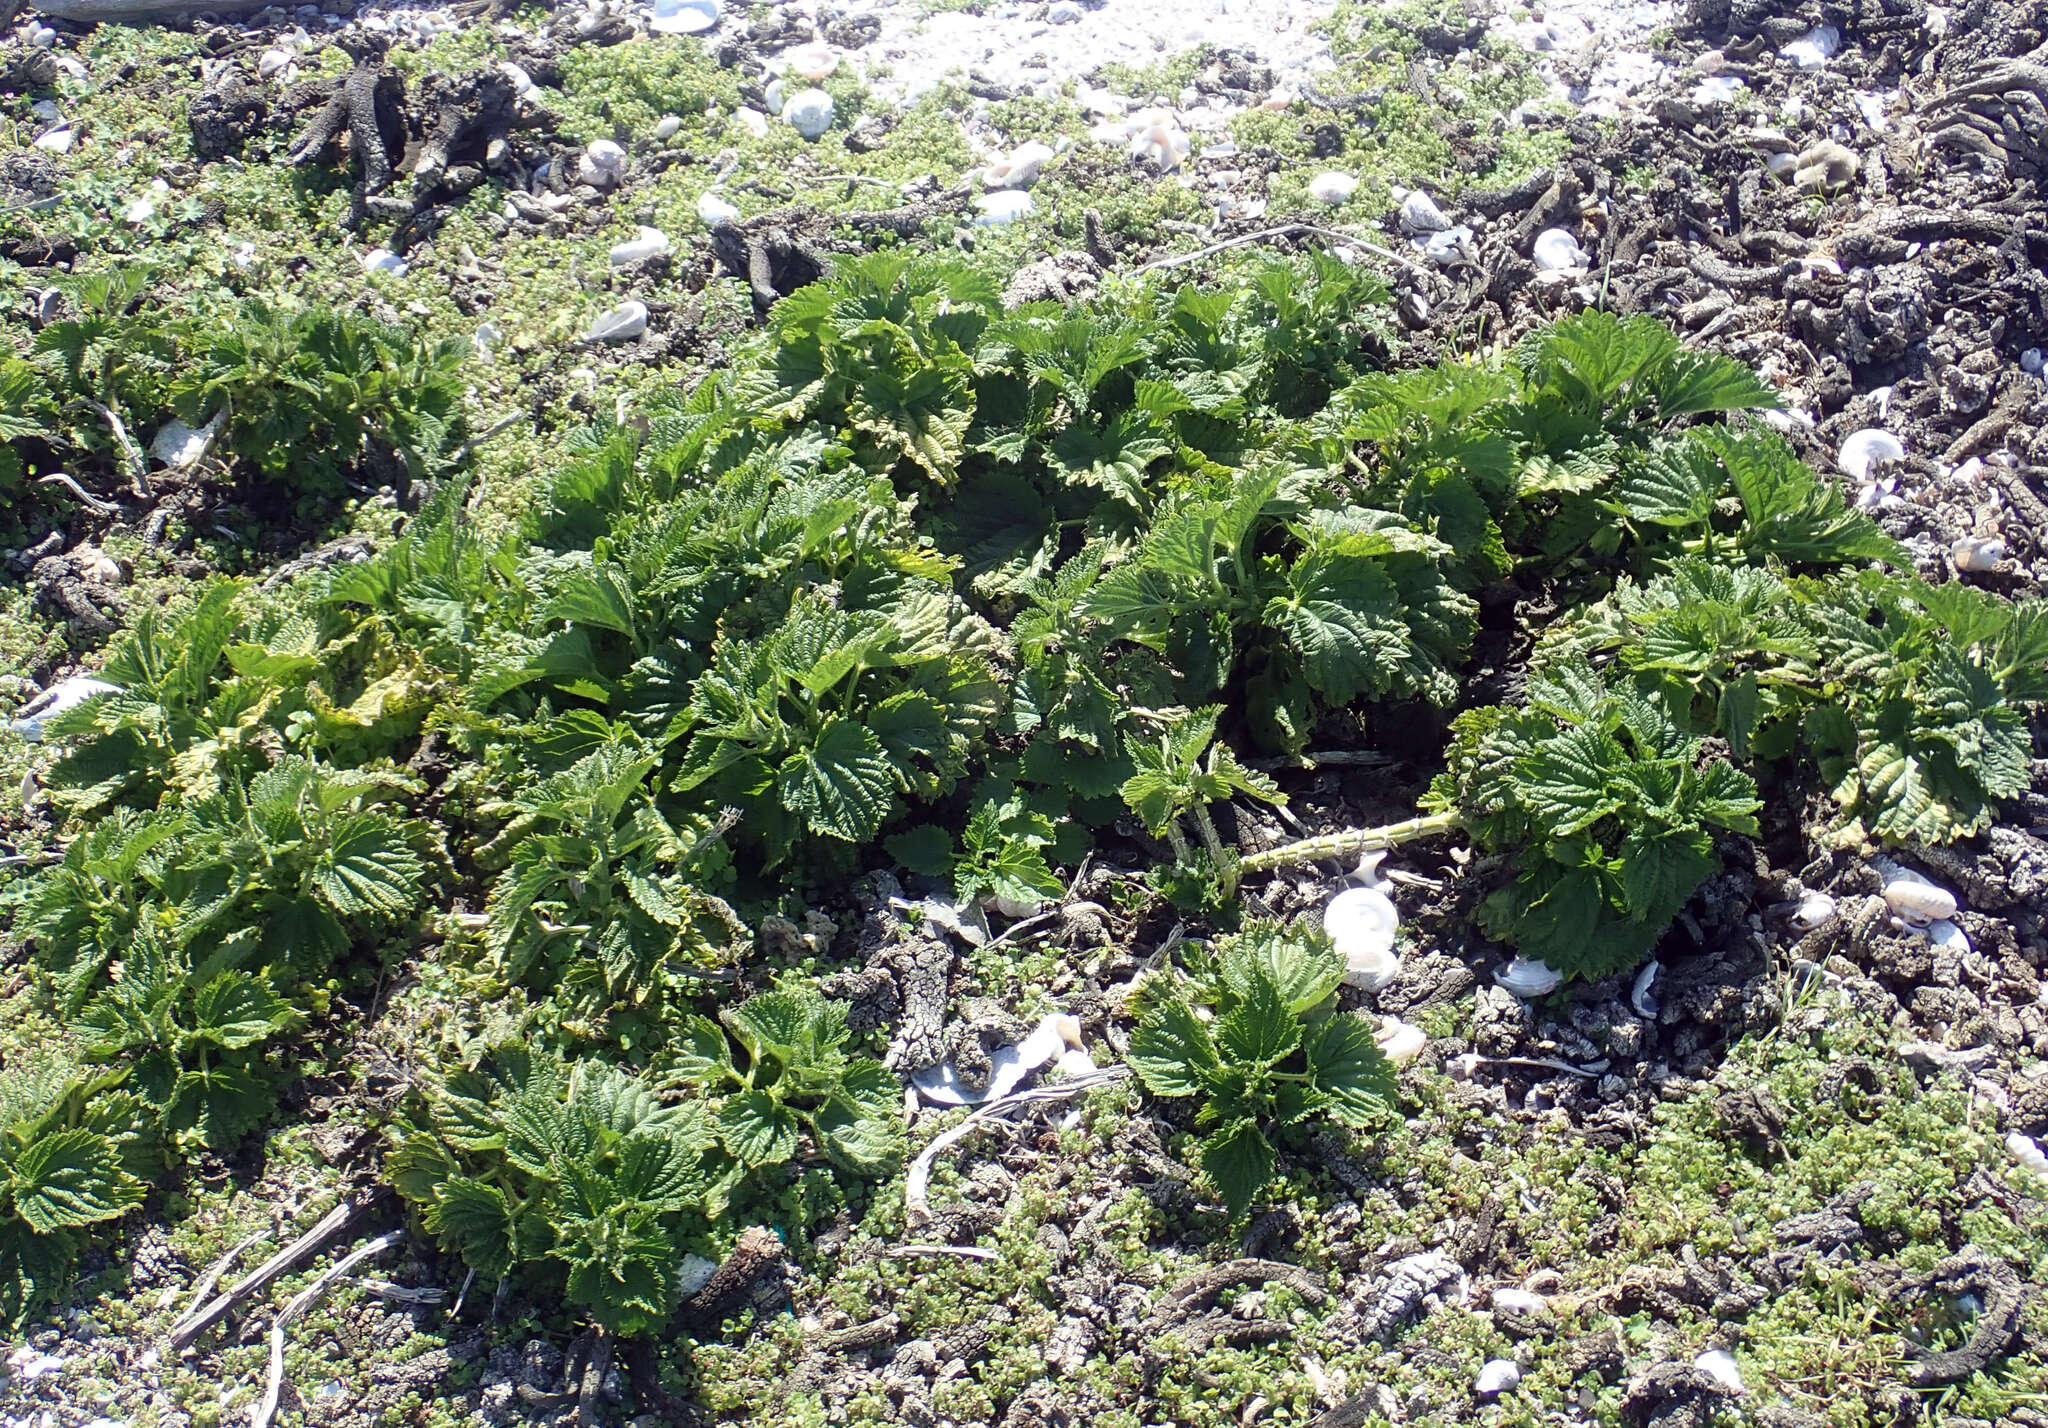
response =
{"points": [[1353, 841], [1226, 871]]}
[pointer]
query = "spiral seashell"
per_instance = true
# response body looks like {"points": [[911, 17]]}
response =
{"points": [[1362, 923]]}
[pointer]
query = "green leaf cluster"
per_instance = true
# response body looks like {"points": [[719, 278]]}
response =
{"points": [[1264, 1051], [1607, 810]]}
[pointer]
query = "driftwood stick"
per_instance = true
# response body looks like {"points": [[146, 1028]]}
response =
{"points": [[330, 1225], [204, 1287], [86, 498], [1285, 230], [131, 454], [302, 1301]]}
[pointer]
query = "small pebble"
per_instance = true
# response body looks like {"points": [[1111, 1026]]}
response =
{"points": [[809, 112], [627, 320], [1498, 1376], [665, 128], [715, 210]]}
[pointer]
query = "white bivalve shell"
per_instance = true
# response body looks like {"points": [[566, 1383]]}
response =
{"points": [[1719, 1365], [1160, 142], [1017, 907], [1018, 169], [1527, 977], [809, 112], [1333, 188], [1557, 251], [272, 63], [1363, 923], [715, 210], [1945, 936], [1005, 205], [683, 17], [1811, 911], [813, 61], [603, 165], [1864, 449], [646, 243], [1419, 215], [1399, 1041], [627, 320], [1977, 553], [1497, 1376], [1918, 903], [59, 698]]}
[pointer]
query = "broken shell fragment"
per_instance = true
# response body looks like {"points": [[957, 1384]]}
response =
{"points": [[1977, 553], [59, 698], [1419, 214], [1864, 449], [1362, 923], [1497, 1376], [1517, 1301], [646, 243], [2027, 1151], [603, 165], [178, 444], [1719, 1365], [809, 112], [1918, 903], [1557, 251], [1333, 188], [683, 17], [1449, 248], [1945, 936], [272, 62], [1815, 48], [1003, 206], [1811, 911], [715, 210], [1019, 168], [813, 61], [1640, 995], [383, 260], [627, 320], [1160, 142], [1527, 977], [1399, 1041]]}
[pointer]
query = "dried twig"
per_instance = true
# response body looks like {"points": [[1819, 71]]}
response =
{"points": [[330, 1225], [204, 1287], [305, 1299], [919, 1179], [1285, 230], [132, 454], [85, 498], [957, 1251]]}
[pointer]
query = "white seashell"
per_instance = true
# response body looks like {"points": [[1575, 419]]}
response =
{"points": [[2027, 1151], [1976, 553], [98, 565], [58, 141], [1527, 977], [383, 260], [1497, 1376], [1363, 923], [1518, 1301], [1719, 1365], [1936, 22], [1003, 206], [1639, 994], [1782, 165], [1332, 188], [522, 83], [1813, 909], [1160, 142], [1016, 907], [1074, 1062], [486, 334], [272, 62], [628, 319], [1947, 937], [178, 445], [1056, 1040], [809, 112], [1871, 107], [1367, 874], [683, 17], [1449, 248], [603, 165], [1557, 251], [1419, 214], [59, 698], [812, 61], [774, 94], [1864, 449], [2034, 361], [43, 37], [666, 126], [1815, 48], [646, 243], [1918, 903], [1019, 169], [1399, 1041], [751, 120], [715, 210], [1717, 89]]}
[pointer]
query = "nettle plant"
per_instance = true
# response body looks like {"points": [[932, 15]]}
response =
{"points": [[1256, 1040]]}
